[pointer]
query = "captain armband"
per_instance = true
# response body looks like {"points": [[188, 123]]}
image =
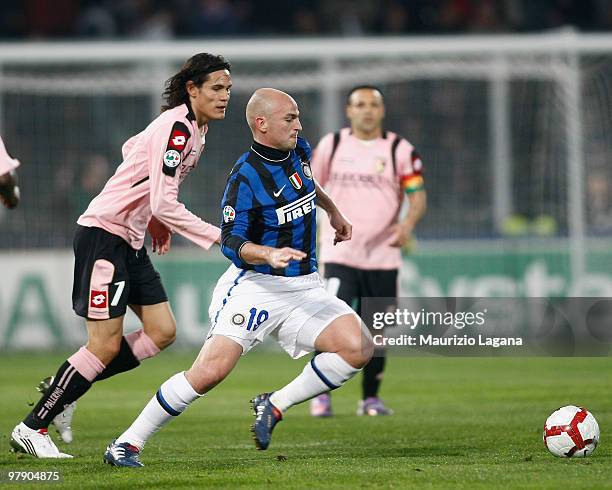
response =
{"points": [[413, 183]]}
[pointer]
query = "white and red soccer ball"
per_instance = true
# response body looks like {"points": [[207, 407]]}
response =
{"points": [[571, 432]]}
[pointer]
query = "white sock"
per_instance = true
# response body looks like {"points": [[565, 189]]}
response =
{"points": [[325, 372], [172, 398]]}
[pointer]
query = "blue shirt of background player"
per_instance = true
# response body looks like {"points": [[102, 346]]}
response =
{"points": [[269, 199]]}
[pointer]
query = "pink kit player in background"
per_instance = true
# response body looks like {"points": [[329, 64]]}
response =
{"points": [[369, 178], [368, 171]]}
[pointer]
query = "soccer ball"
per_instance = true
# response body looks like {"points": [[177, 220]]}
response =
{"points": [[571, 432]]}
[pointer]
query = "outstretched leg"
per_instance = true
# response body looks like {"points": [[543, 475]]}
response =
{"points": [[71, 381], [106, 354], [345, 283], [344, 346], [216, 360], [158, 332]]}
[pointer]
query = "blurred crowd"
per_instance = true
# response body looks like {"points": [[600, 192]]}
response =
{"points": [[69, 165], [159, 19]]}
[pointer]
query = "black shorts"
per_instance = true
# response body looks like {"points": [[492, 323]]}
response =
{"points": [[351, 284], [109, 275]]}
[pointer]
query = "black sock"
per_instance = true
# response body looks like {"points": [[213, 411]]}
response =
{"points": [[372, 374], [123, 361], [68, 385]]}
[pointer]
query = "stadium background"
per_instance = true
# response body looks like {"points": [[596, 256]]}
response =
{"points": [[509, 103]]}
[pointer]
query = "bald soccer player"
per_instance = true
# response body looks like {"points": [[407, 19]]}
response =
{"points": [[272, 286]]}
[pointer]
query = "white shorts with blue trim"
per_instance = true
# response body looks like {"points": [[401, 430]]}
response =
{"points": [[247, 306]]}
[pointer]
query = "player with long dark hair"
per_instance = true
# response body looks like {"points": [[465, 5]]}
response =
{"points": [[112, 269]]}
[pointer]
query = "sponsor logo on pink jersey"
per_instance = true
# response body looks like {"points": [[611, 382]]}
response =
{"points": [[178, 138]]}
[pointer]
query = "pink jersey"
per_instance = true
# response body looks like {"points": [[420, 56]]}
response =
{"points": [[155, 163], [6, 162], [365, 179]]}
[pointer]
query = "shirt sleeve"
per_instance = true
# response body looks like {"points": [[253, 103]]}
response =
{"points": [[6, 162], [410, 167], [237, 205], [320, 163], [128, 146], [166, 150]]}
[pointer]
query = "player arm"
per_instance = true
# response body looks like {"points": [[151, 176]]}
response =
{"points": [[417, 201], [342, 226], [413, 185], [165, 205], [238, 203], [324, 201], [320, 162], [235, 220], [254, 254]]}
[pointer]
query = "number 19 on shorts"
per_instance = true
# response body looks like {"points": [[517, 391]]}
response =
{"points": [[256, 319]]}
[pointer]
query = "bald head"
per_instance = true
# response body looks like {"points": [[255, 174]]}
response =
{"points": [[264, 102], [273, 117]]}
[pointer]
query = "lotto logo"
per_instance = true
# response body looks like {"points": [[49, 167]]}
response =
{"points": [[98, 299], [178, 140], [178, 137]]}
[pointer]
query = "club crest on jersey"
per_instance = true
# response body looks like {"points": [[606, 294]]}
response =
{"points": [[238, 319], [295, 180], [307, 170], [98, 299], [229, 214]]}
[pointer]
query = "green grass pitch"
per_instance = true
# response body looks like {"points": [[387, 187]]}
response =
{"points": [[459, 423]]}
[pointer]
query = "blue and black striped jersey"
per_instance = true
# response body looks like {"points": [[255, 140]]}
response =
{"points": [[269, 199]]}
